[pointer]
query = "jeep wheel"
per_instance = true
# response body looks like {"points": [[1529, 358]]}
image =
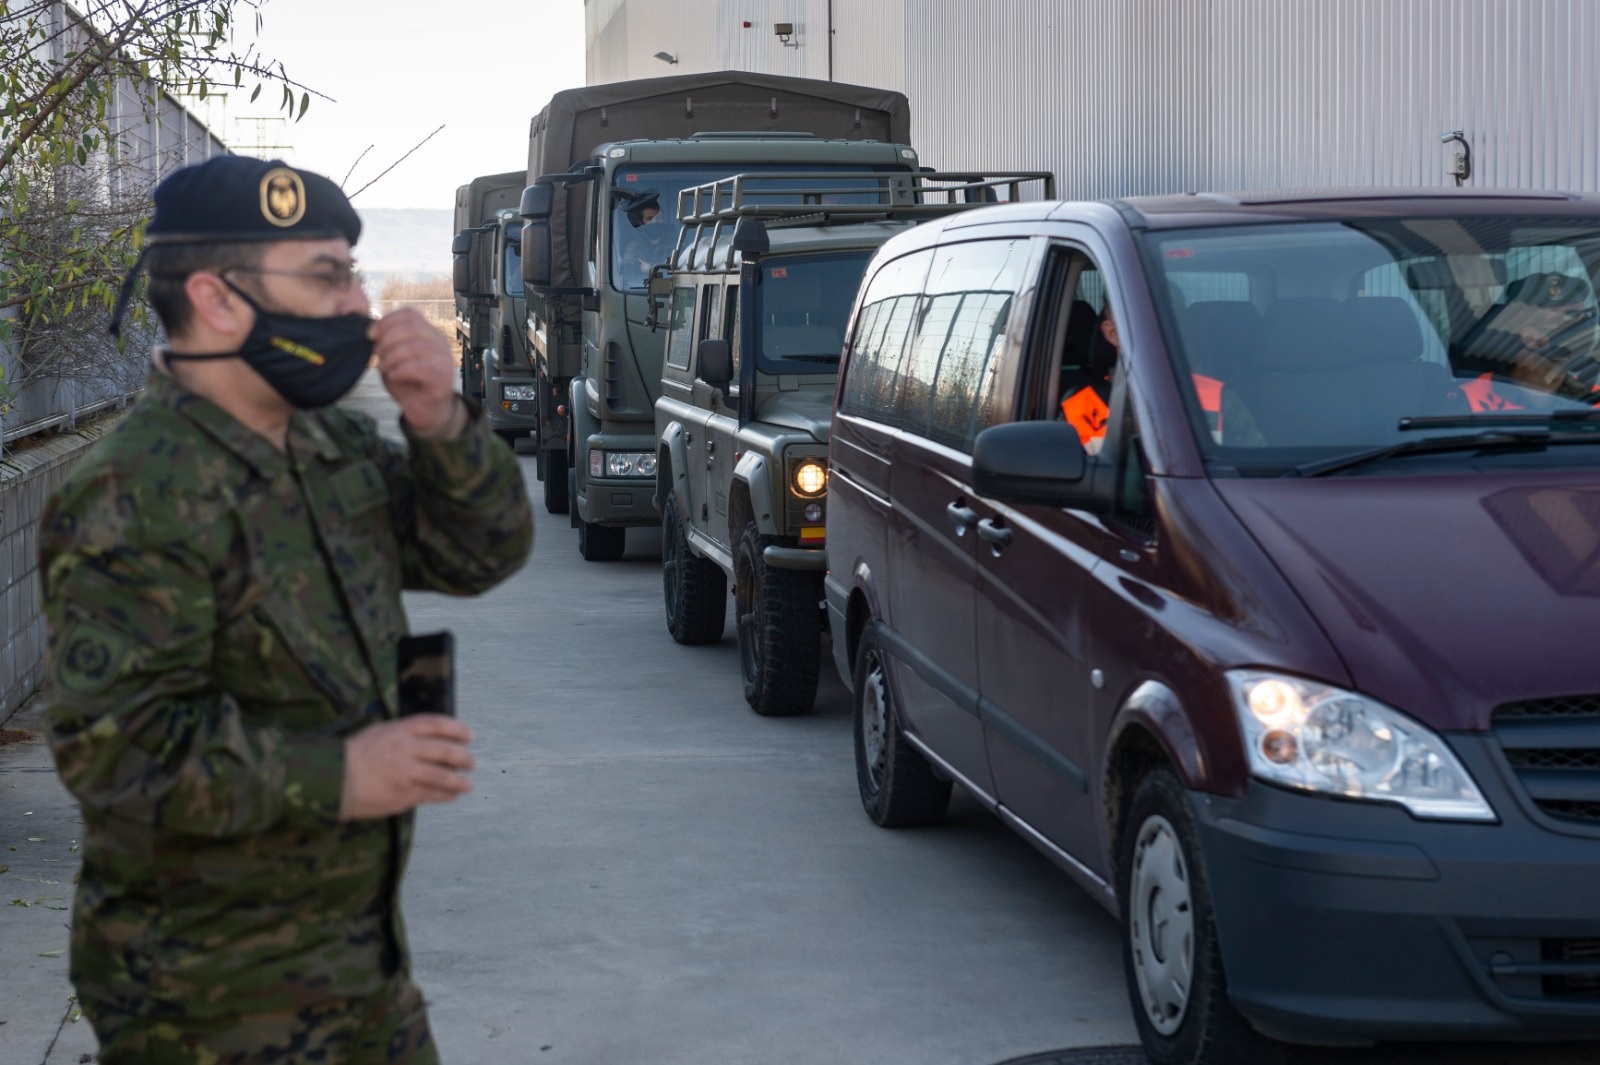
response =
{"points": [[695, 588], [555, 481], [601, 543], [780, 630], [1171, 959], [898, 787]]}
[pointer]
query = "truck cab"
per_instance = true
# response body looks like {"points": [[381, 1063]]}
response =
{"points": [[489, 273], [754, 304]]}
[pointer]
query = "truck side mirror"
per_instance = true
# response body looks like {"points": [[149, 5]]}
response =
{"points": [[536, 250], [537, 203], [465, 278], [714, 363]]}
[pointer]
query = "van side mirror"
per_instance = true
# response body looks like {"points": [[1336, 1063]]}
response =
{"points": [[714, 363], [1033, 462]]}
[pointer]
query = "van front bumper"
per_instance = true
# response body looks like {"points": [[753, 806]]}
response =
{"points": [[1350, 922]]}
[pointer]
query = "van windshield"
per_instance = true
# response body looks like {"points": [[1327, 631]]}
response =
{"points": [[1301, 343], [644, 206], [802, 303]]}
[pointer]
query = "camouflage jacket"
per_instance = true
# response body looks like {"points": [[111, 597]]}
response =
{"points": [[221, 616]]}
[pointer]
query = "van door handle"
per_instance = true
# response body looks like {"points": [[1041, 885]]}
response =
{"points": [[995, 534], [964, 517]]}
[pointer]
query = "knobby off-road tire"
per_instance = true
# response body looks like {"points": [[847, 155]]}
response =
{"points": [[1176, 984], [898, 787], [695, 588], [780, 630]]}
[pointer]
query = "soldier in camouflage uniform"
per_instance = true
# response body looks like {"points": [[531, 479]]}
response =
{"points": [[222, 579]]}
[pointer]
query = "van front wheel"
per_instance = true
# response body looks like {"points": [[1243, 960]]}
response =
{"points": [[898, 787], [1171, 958]]}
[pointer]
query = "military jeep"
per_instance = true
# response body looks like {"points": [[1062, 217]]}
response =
{"points": [[754, 300]]}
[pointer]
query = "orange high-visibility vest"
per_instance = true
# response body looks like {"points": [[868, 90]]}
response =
{"points": [[1086, 412], [1481, 395], [1209, 389]]}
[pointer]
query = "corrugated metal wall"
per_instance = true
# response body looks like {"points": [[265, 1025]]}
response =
{"points": [[1163, 95]]}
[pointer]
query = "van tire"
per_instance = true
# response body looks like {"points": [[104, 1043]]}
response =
{"points": [[779, 625], [601, 543], [1159, 869], [695, 588], [898, 787], [555, 481]]}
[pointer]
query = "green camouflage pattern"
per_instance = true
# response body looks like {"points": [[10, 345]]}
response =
{"points": [[389, 1028], [221, 615]]}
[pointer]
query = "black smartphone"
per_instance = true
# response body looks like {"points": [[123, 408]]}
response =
{"points": [[428, 674]]}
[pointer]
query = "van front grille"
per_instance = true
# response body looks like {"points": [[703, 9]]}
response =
{"points": [[1553, 745]]}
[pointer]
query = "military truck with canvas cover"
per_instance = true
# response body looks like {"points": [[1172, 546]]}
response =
{"points": [[755, 302], [605, 166], [477, 203]]}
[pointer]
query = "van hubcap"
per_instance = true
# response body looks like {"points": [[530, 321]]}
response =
{"points": [[874, 721], [1161, 925]]}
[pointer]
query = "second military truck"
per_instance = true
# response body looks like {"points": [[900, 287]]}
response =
{"points": [[605, 166]]}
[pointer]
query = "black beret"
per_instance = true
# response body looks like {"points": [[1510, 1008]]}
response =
{"points": [[237, 197], [1551, 290]]}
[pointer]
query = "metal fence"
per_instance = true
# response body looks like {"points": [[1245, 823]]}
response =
{"points": [[58, 389]]}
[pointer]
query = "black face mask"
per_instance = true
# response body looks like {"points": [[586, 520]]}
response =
{"points": [[310, 362]]}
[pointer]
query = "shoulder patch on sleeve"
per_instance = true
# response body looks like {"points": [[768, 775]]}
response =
{"points": [[89, 657]]}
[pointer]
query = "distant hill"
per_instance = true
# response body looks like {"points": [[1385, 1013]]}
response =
{"points": [[405, 240]]}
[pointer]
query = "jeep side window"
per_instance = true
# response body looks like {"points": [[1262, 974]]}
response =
{"points": [[730, 330], [680, 335], [710, 321]]}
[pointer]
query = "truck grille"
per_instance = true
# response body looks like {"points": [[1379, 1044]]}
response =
{"points": [[1554, 747]]}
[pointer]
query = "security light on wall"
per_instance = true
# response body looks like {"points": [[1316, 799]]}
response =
{"points": [[666, 57], [785, 32]]}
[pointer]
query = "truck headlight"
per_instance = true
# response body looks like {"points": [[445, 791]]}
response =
{"points": [[809, 479], [520, 391], [1319, 738], [622, 464]]}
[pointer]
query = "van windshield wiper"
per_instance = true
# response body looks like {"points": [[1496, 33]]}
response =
{"points": [[1548, 419], [809, 358], [1488, 440]]}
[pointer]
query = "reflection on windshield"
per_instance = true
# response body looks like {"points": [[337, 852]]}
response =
{"points": [[644, 224], [804, 303], [1322, 337]]}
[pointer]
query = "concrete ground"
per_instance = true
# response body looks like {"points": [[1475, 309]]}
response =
{"points": [[646, 872]]}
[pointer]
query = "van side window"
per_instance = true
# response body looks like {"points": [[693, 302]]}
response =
{"points": [[680, 336], [873, 378], [970, 291]]}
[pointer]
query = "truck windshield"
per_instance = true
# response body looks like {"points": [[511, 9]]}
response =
{"points": [[799, 310], [644, 224], [1303, 344]]}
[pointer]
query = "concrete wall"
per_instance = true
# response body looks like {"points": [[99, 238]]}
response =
{"points": [[26, 480]]}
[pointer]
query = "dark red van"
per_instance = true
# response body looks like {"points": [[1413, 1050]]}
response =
{"points": [[1243, 554]]}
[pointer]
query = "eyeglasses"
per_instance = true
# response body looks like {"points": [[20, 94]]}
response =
{"points": [[336, 278]]}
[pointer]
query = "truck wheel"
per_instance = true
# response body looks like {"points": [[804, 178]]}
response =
{"points": [[555, 482], [780, 630], [601, 543], [898, 787], [1171, 959], [695, 588]]}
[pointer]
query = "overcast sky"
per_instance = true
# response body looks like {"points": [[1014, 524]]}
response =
{"points": [[398, 70]]}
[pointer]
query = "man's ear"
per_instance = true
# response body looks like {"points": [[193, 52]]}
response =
{"points": [[216, 306]]}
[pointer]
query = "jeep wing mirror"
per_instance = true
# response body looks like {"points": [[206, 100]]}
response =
{"points": [[658, 287], [714, 363]]}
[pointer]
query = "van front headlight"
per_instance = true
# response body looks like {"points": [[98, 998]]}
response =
{"points": [[1319, 738]]}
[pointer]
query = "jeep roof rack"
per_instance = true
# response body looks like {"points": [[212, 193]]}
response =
{"points": [[792, 198]]}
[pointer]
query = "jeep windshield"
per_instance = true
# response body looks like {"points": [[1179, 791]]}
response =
{"points": [[644, 201], [800, 306], [1317, 348]]}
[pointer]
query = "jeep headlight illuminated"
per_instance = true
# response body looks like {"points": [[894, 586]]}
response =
{"points": [[622, 464], [520, 391], [1323, 739], [809, 479]]}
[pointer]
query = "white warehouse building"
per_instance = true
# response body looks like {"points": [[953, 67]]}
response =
{"points": [[1146, 96]]}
